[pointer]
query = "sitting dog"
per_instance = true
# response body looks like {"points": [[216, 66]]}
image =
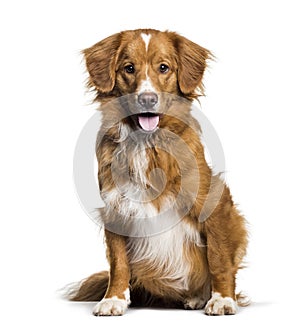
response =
{"points": [[173, 234]]}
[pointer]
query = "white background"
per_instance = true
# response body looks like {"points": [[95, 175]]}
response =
{"points": [[47, 241]]}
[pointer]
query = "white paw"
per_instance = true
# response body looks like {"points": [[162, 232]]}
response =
{"points": [[219, 305], [194, 303], [110, 306]]}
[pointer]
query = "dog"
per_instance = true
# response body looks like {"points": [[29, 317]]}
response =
{"points": [[174, 236]]}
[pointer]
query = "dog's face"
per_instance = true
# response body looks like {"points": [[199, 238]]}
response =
{"points": [[148, 67]]}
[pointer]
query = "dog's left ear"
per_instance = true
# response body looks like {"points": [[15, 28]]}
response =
{"points": [[101, 62], [192, 61]]}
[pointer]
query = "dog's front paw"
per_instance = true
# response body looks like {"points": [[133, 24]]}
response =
{"points": [[110, 306], [219, 305]]}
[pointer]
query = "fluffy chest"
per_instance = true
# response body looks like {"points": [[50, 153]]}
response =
{"points": [[130, 196], [136, 182]]}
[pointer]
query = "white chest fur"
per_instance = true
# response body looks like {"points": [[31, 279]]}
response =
{"points": [[166, 254]]}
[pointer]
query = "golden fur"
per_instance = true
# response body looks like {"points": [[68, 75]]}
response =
{"points": [[196, 260]]}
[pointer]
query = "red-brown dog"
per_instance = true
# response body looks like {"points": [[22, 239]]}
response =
{"points": [[174, 236]]}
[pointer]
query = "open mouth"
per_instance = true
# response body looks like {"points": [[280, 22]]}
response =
{"points": [[148, 121]]}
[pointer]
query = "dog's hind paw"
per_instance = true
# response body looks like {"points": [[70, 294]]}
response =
{"points": [[194, 303]]}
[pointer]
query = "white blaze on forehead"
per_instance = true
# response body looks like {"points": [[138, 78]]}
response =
{"points": [[146, 85], [146, 38]]}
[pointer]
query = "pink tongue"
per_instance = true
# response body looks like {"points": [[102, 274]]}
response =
{"points": [[148, 123]]}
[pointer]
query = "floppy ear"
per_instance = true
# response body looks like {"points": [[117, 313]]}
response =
{"points": [[192, 61], [101, 63]]}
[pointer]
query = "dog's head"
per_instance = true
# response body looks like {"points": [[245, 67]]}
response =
{"points": [[148, 67]]}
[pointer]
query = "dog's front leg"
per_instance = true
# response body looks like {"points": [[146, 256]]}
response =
{"points": [[117, 298], [220, 255]]}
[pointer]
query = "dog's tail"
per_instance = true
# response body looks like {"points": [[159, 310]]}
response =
{"points": [[91, 289]]}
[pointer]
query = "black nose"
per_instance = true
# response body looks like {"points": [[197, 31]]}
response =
{"points": [[148, 99]]}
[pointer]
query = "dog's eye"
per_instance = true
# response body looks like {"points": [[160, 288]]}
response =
{"points": [[129, 69], [163, 68]]}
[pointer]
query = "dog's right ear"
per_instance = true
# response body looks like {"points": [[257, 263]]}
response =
{"points": [[101, 63]]}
